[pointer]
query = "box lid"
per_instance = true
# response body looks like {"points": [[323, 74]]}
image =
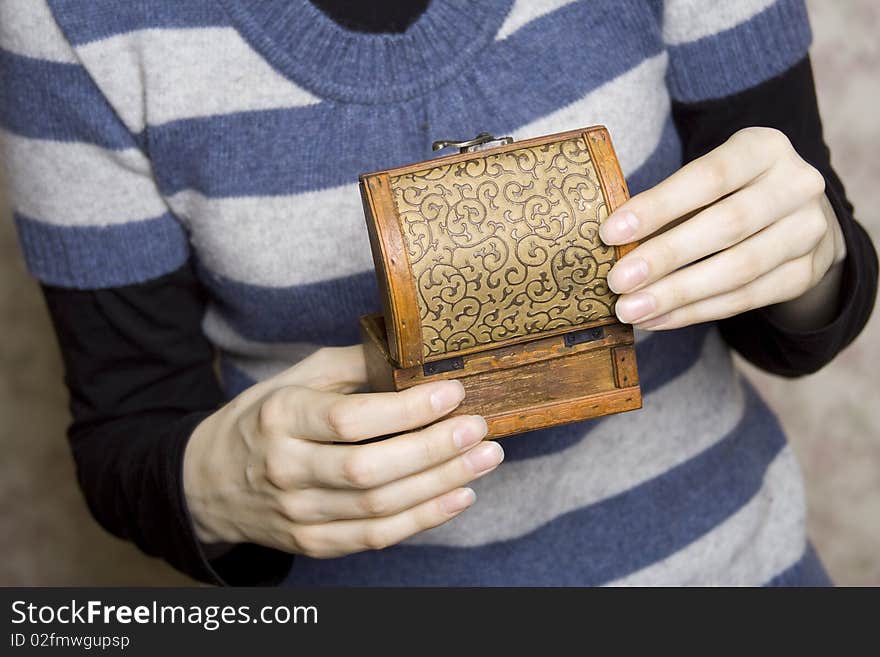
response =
{"points": [[477, 250]]}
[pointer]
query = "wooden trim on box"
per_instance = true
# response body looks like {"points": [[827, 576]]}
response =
{"points": [[393, 269], [626, 372], [610, 176], [565, 412]]}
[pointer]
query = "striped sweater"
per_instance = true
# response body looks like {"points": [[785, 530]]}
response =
{"points": [[146, 134]]}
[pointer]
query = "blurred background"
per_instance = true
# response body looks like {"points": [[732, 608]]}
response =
{"points": [[47, 536]]}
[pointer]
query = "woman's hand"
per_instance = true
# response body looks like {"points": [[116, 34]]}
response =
{"points": [[758, 211], [278, 465]]}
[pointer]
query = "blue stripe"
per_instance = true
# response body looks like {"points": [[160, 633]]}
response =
{"points": [[741, 57], [325, 312], [57, 101], [83, 22], [293, 150], [806, 571], [90, 257], [589, 546]]}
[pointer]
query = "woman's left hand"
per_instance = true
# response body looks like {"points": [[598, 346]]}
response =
{"points": [[759, 213]]}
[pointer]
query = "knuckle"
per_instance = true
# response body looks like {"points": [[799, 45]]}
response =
{"points": [[663, 256], [773, 137], [295, 508], [748, 266], [809, 274], [271, 416], [717, 174], [415, 409], [376, 538], [816, 227], [431, 443], [374, 503], [276, 468], [804, 177], [307, 540], [743, 135], [737, 223], [742, 301], [342, 418], [814, 181], [358, 471], [675, 296]]}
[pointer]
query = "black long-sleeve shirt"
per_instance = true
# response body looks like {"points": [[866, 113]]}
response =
{"points": [[141, 373]]}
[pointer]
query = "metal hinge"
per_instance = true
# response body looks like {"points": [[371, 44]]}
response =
{"points": [[481, 142], [584, 335], [446, 365]]}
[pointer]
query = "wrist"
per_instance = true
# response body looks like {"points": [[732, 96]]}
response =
{"points": [[198, 487]]}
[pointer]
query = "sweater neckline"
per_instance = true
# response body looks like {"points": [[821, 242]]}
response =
{"points": [[307, 46]]}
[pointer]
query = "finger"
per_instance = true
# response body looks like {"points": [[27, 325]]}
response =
{"points": [[718, 227], [316, 505], [787, 239], [369, 466], [727, 168], [326, 416], [784, 283], [334, 369], [347, 536]]}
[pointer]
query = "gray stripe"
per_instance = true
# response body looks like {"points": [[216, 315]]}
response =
{"points": [[76, 184], [688, 20], [633, 106], [28, 28], [159, 75]]}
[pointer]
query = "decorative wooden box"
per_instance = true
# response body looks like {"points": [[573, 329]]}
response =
{"points": [[491, 271]]}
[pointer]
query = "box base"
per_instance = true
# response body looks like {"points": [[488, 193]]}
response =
{"points": [[580, 375]]}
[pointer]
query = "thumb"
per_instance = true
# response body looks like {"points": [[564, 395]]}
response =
{"points": [[330, 369]]}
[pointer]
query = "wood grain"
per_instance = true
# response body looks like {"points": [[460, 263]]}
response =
{"points": [[614, 187], [626, 373], [396, 285]]}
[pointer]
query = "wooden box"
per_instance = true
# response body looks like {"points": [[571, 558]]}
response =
{"points": [[491, 271]]}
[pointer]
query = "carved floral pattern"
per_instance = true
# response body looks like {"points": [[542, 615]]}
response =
{"points": [[506, 245]]}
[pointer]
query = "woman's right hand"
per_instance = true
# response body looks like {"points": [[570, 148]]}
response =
{"points": [[278, 465]]}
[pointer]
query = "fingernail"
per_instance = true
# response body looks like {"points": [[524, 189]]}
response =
{"points": [[627, 273], [653, 323], [458, 500], [620, 227], [447, 396], [485, 456], [470, 433], [631, 308]]}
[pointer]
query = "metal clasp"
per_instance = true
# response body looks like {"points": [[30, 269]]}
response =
{"points": [[441, 366], [583, 335], [481, 142]]}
